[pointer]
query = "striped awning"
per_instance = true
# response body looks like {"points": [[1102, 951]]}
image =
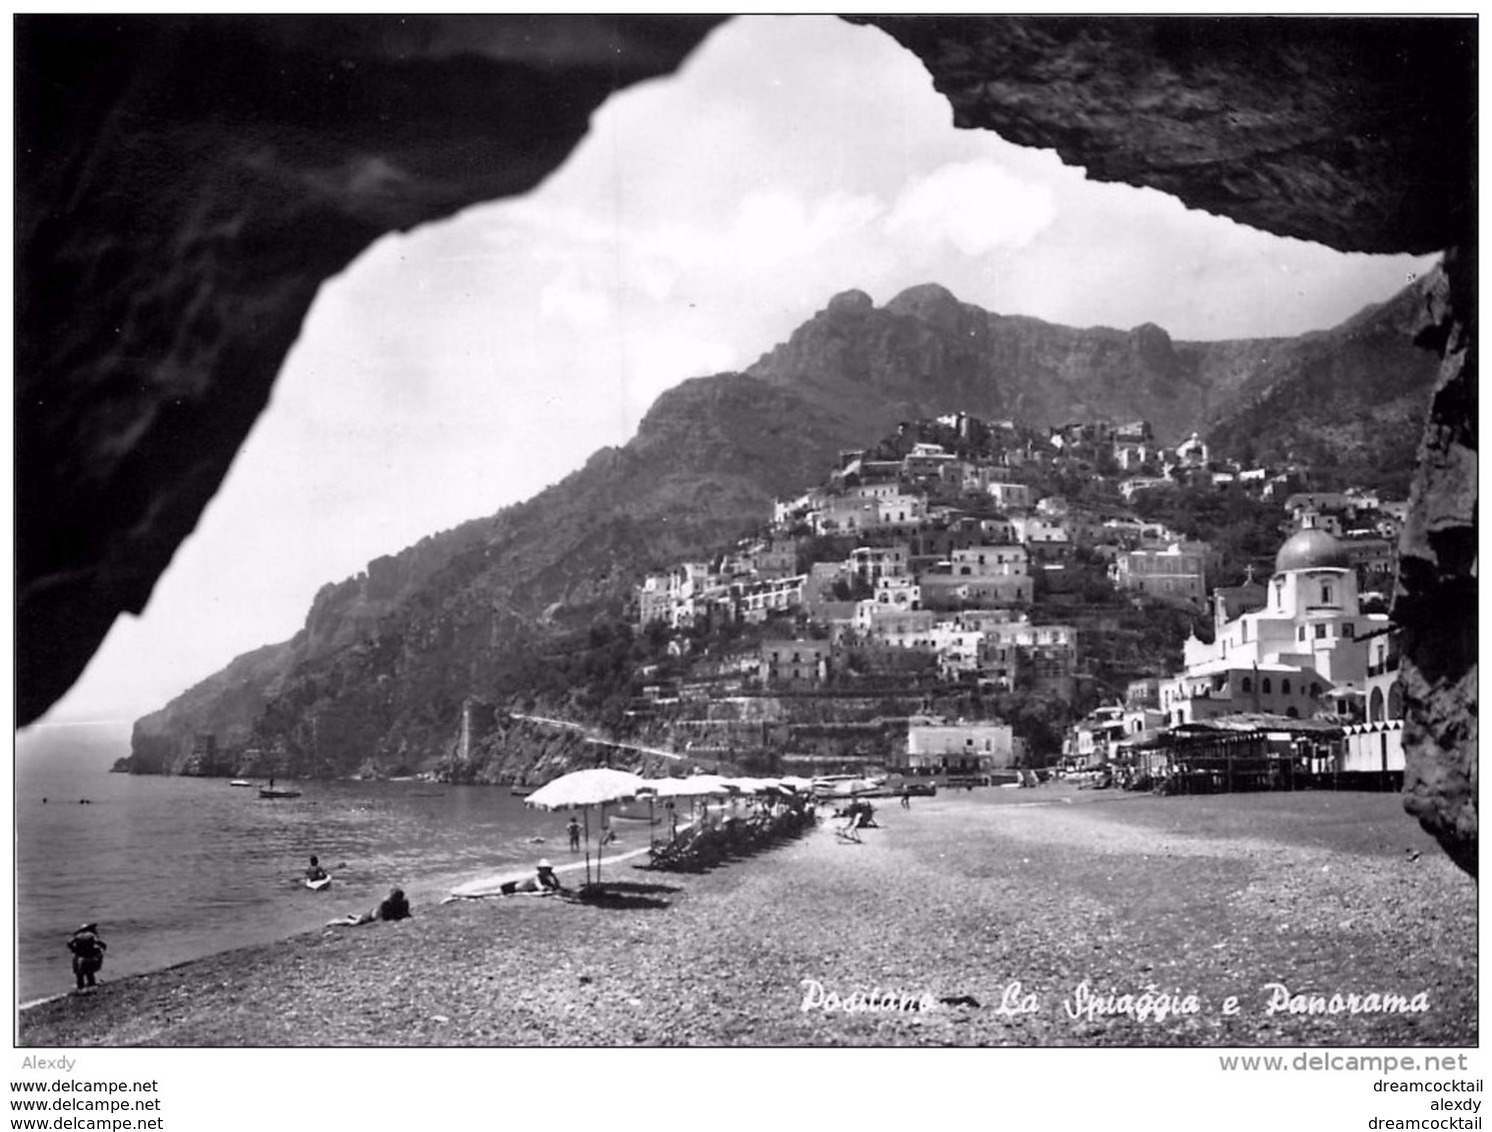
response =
{"points": [[1373, 728]]}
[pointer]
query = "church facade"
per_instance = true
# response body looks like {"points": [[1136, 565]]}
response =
{"points": [[1300, 638]]}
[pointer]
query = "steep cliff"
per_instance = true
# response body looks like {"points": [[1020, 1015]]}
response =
{"points": [[1310, 397], [924, 350], [377, 678], [1337, 399]]}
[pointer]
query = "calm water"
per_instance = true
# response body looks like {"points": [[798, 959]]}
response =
{"points": [[177, 868]]}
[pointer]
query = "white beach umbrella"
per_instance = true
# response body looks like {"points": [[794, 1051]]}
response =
{"points": [[668, 789], [582, 789], [685, 787], [749, 785], [711, 784], [695, 786]]}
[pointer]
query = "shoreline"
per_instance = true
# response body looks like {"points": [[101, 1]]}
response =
{"points": [[484, 887], [953, 899]]}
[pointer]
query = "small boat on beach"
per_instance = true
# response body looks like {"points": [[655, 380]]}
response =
{"points": [[522, 791], [239, 782], [320, 884], [827, 786], [277, 792]]}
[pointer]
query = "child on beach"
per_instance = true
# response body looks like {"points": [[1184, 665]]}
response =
{"points": [[88, 954], [315, 871], [574, 830]]}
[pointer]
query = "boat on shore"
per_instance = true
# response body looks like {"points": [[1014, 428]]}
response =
{"points": [[833, 786], [636, 812], [278, 792], [522, 791], [239, 782]]}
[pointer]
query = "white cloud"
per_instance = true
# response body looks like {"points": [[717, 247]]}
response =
{"points": [[577, 304], [775, 225], [976, 206], [770, 228]]}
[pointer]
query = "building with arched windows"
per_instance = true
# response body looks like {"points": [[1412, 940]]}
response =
{"points": [[1310, 617], [1376, 746], [1223, 688], [1309, 630]]}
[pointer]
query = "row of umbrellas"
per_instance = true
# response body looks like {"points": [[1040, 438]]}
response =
{"points": [[601, 786]]}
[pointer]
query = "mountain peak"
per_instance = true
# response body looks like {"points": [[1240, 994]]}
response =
{"points": [[852, 303], [930, 302], [1153, 345]]}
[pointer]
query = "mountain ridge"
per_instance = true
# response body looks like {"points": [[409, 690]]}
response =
{"points": [[377, 676]]}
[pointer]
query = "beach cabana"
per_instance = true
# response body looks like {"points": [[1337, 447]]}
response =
{"points": [[584, 789]]}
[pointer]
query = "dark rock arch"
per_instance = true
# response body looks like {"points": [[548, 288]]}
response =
{"points": [[184, 185]]}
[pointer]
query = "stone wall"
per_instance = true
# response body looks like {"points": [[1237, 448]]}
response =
{"points": [[183, 187]]}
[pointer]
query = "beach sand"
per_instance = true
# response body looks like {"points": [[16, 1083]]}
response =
{"points": [[957, 898]]}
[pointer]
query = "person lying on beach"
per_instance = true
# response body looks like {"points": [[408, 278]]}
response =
{"points": [[543, 883], [393, 907]]}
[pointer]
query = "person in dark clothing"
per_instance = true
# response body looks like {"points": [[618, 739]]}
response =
{"points": [[392, 907], [315, 872], [88, 954], [574, 831]]}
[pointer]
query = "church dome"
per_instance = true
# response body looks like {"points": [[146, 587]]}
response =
{"points": [[1311, 550]]}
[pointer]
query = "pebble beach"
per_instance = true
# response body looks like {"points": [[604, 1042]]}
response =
{"points": [[1044, 917]]}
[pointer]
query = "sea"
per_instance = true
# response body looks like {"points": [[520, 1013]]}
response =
{"points": [[174, 869]]}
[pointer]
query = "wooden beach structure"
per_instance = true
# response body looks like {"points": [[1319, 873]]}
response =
{"points": [[1244, 752]]}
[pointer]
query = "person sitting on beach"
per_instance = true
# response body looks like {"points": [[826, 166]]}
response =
{"points": [[393, 907], [851, 830], [315, 872], [88, 954]]}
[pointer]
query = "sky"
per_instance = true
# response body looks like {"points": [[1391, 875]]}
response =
{"points": [[467, 365]]}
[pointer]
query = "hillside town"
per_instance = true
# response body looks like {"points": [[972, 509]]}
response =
{"points": [[939, 572]]}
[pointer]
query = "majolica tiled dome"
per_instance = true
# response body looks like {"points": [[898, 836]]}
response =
{"points": [[1311, 550]]}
